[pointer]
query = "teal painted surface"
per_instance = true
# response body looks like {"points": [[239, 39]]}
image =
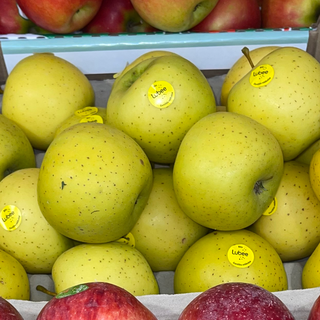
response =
{"points": [[74, 43]]}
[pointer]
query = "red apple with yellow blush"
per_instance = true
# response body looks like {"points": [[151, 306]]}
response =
{"points": [[60, 16], [231, 15]]}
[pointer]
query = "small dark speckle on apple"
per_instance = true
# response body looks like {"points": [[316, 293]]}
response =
{"points": [[141, 161], [63, 184]]}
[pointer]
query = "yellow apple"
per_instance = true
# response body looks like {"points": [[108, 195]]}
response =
{"points": [[86, 114], [164, 232], [314, 171], [310, 277], [112, 262], [24, 232], [16, 151], [292, 226], [228, 256], [306, 155], [281, 93], [94, 182], [14, 281], [227, 171], [240, 68], [42, 91], [156, 102]]}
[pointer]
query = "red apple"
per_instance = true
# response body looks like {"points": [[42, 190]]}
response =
{"points": [[231, 14], [314, 313], [289, 13], [173, 16], [117, 16], [8, 311], [60, 16], [95, 300], [235, 301], [10, 19]]}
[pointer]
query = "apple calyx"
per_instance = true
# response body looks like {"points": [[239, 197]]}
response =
{"points": [[246, 53], [258, 187]]}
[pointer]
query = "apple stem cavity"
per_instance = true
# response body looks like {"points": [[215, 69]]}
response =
{"points": [[246, 53], [44, 290]]}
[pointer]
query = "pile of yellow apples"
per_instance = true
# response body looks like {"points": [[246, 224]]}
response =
{"points": [[163, 177]]}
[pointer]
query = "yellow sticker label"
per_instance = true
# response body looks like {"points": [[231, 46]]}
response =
{"points": [[10, 217], [261, 75], [93, 118], [240, 256], [272, 207], [87, 111], [128, 239], [161, 94]]}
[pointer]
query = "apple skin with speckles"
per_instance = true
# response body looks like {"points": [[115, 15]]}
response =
{"points": [[240, 68], [16, 151], [42, 91], [164, 232], [293, 227], [157, 100], [235, 301], [230, 256], [114, 262], [95, 300], [34, 242], [86, 114], [227, 171], [94, 182], [14, 281], [8, 311], [293, 117]]}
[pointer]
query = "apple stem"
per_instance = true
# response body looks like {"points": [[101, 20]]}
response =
{"points": [[246, 52], [43, 289]]}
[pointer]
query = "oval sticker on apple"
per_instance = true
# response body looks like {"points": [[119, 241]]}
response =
{"points": [[86, 111], [240, 256], [128, 239], [10, 217], [161, 94], [93, 118], [272, 207], [261, 75]]}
